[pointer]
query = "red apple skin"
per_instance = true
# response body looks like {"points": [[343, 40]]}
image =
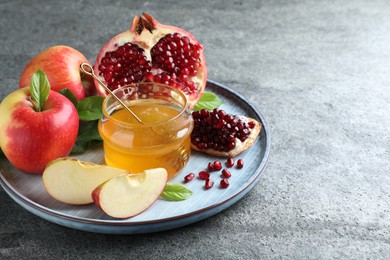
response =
{"points": [[61, 65], [96, 198], [30, 139], [95, 195]]}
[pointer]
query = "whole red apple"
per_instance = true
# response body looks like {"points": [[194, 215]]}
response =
{"points": [[31, 139], [61, 65]]}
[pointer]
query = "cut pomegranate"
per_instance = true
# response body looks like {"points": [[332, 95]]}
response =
{"points": [[203, 175], [240, 163], [224, 183], [221, 134], [151, 51], [230, 162], [189, 177]]}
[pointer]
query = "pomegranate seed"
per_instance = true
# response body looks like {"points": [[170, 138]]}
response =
{"points": [[230, 162], [203, 175], [240, 163], [224, 183], [217, 165], [226, 173], [210, 167], [208, 184], [189, 177], [204, 113]]}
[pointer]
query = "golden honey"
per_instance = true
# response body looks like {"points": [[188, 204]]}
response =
{"points": [[162, 140]]}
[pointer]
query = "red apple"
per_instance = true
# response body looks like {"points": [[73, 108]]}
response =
{"points": [[61, 65], [31, 139]]}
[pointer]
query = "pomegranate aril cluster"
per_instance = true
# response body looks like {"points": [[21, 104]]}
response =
{"points": [[212, 167], [127, 64], [218, 130], [175, 58], [176, 54]]}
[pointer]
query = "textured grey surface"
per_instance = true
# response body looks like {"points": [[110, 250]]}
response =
{"points": [[319, 73]]}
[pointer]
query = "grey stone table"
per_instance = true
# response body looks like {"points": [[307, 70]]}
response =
{"points": [[319, 71]]}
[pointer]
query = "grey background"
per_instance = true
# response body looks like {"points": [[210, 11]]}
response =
{"points": [[319, 73]]}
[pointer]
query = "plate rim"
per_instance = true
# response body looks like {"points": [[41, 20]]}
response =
{"points": [[26, 202]]}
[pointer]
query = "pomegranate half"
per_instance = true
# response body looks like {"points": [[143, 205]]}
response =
{"points": [[151, 51]]}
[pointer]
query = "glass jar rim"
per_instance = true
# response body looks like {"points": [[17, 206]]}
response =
{"points": [[107, 113]]}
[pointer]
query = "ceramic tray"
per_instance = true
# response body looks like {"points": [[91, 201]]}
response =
{"points": [[28, 191]]}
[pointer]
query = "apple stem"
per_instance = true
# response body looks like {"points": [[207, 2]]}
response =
{"points": [[35, 107]]}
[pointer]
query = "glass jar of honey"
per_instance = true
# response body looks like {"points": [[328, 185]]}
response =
{"points": [[162, 139]]}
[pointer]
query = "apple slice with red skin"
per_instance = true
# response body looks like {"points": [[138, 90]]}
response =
{"points": [[128, 195], [72, 181], [61, 65]]}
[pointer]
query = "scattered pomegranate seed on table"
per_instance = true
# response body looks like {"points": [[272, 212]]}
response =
{"points": [[230, 162], [189, 177], [203, 175], [210, 166], [240, 163], [209, 183], [226, 173], [224, 183], [217, 165]]}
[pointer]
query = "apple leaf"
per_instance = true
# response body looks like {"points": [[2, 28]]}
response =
{"points": [[39, 89], [88, 135], [175, 192], [208, 101], [90, 108]]}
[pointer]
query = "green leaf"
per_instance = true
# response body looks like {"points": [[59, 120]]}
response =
{"points": [[90, 108], [69, 95], [39, 89], [175, 192], [2, 155], [208, 101], [88, 135]]}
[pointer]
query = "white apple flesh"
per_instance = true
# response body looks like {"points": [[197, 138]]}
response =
{"points": [[72, 181], [128, 195]]}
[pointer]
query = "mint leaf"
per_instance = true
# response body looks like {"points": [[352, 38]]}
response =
{"points": [[90, 108], [69, 95], [88, 136], [90, 111], [175, 192], [39, 89], [208, 101]]}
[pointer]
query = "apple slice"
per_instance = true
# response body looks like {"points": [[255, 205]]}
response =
{"points": [[128, 195], [72, 181]]}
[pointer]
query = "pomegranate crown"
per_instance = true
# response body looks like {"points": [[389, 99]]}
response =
{"points": [[145, 21]]}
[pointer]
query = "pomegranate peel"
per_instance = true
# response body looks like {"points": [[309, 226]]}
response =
{"points": [[151, 51]]}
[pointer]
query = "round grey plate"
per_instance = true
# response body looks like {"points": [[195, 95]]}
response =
{"points": [[29, 192]]}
